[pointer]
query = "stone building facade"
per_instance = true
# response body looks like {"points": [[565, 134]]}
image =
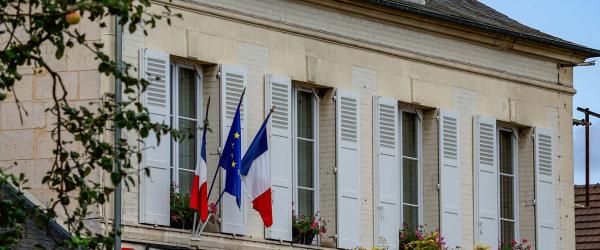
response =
{"points": [[435, 112]]}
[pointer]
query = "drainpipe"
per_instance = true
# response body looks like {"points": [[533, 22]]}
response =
{"points": [[117, 198]]}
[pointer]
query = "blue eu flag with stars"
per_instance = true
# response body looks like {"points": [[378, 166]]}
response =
{"points": [[231, 158]]}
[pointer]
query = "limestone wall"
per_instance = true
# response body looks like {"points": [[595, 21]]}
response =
{"points": [[335, 50], [275, 37]]}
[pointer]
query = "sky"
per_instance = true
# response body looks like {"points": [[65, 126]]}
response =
{"points": [[576, 21]]}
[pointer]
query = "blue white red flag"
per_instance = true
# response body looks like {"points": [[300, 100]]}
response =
{"points": [[199, 198], [256, 174]]}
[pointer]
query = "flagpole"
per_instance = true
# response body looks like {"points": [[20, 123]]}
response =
{"points": [[213, 180], [206, 114], [201, 229], [194, 225], [203, 134], [219, 167], [270, 111]]}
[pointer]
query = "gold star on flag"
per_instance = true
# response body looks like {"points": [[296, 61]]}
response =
{"points": [[236, 135], [233, 164]]}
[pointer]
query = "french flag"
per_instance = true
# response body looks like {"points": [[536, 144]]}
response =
{"points": [[256, 174], [199, 199]]}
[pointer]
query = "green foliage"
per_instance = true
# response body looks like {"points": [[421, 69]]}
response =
{"points": [[417, 238], [13, 213], [182, 216], [28, 28], [515, 245], [303, 226]]}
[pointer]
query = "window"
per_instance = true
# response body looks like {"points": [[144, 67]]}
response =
{"points": [[185, 112], [305, 151], [410, 162], [507, 175]]}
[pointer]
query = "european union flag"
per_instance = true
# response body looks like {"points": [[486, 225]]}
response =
{"points": [[231, 158]]}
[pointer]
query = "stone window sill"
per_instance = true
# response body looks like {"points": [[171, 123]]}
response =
{"points": [[140, 233]]}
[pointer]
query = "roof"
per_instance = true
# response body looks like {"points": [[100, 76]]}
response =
{"points": [[472, 13], [34, 235], [587, 220]]}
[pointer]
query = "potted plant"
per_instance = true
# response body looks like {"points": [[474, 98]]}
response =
{"points": [[515, 245], [480, 246], [214, 220], [182, 216], [304, 228], [416, 238]]}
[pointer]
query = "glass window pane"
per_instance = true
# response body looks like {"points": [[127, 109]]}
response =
{"points": [[410, 181], [507, 229], [186, 179], [305, 202], [506, 197], [187, 93], [506, 152], [411, 216], [172, 175], [187, 145], [305, 115], [305, 164], [409, 134]]}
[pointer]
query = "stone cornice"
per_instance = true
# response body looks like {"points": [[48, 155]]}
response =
{"points": [[364, 45]]}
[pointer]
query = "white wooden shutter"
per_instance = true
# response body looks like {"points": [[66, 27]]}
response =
{"points": [[449, 178], [486, 169], [348, 168], [278, 92], [154, 189], [544, 189], [386, 159], [233, 80]]}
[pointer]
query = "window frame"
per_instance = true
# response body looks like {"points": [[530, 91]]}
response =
{"points": [[515, 162], [419, 117], [174, 116], [316, 194]]}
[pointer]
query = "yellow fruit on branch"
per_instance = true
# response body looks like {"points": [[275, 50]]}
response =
{"points": [[73, 17]]}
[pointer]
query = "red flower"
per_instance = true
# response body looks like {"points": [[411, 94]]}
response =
{"points": [[323, 230], [212, 207]]}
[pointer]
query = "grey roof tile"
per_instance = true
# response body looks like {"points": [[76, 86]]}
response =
{"points": [[476, 14]]}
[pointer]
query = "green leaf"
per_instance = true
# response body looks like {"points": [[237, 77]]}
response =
{"points": [[87, 172], [60, 51], [116, 178], [64, 200], [85, 149], [144, 132]]}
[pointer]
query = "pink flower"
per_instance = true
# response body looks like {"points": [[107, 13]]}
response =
{"points": [[323, 229], [419, 234], [212, 207]]}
